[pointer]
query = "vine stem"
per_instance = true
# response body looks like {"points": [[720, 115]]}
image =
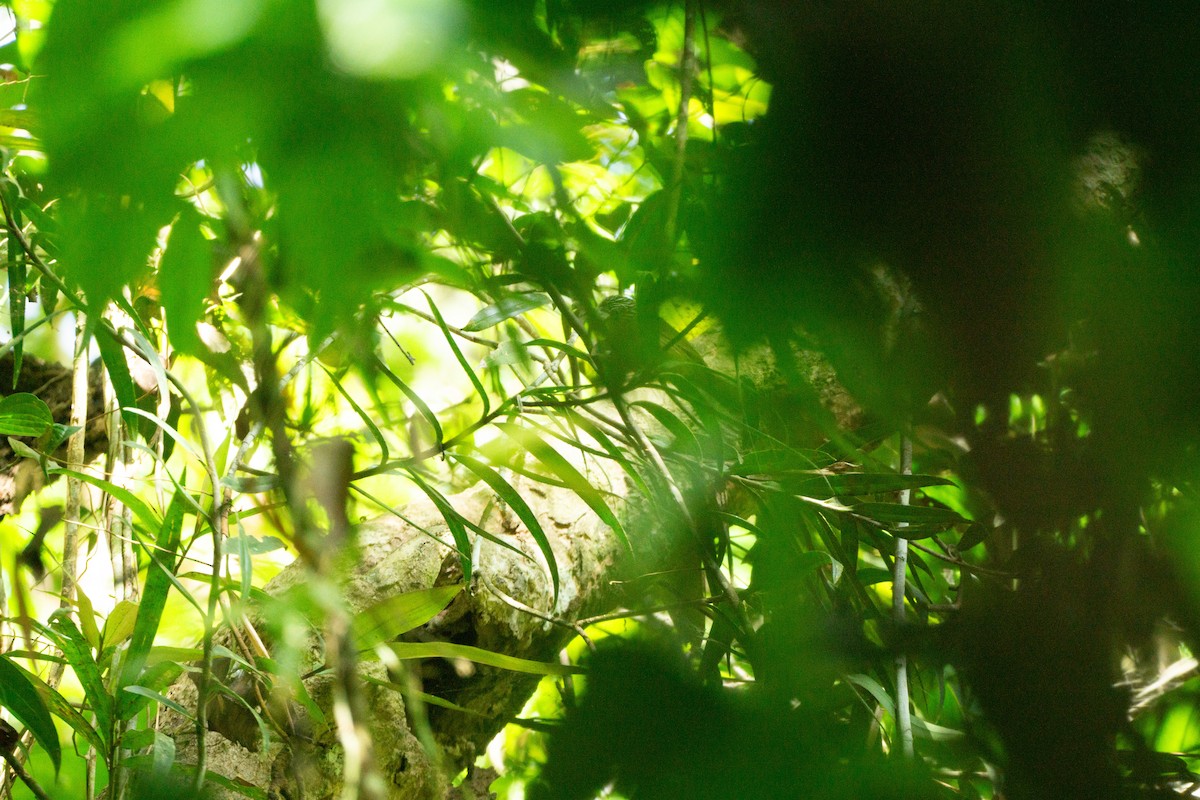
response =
{"points": [[899, 574]]}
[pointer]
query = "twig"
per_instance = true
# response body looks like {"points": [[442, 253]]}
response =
{"points": [[19, 770]]}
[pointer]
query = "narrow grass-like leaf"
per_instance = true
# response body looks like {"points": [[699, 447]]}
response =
{"points": [[462, 361], [615, 453], [17, 694], [156, 678], [431, 699], [59, 707], [422, 407], [376, 434], [112, 353], [511, 306], [876, 691], [408, 650], [557, 464], [154, 600], [161, 699], [517, 503], [78, 654], [400, 614], [169, 430], [685, 440], [140, 509], [454, 521]]}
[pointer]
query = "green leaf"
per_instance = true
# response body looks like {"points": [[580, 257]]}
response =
{"points": [[17, 277], [157, 678], [511, 306], [513, 499], [185, 277], [453, 519], [252, 484], [61, 708], [570, 476], [876, 690], [161, 699], [376, 434], [58, 434], [78, 654], [684, 440], [113, 355], [140, 509], [408, 650], [462, 361], [615, 453], [18, 695], [24, 414], [163, 753], [154, 600], [119, 625], [87, 619], [422, 407], [400, 614], [25, 451], [974, 535], [424, 697]]}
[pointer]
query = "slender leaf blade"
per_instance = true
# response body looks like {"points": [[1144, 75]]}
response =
{"points": [[570, 476], [410, 650], [401, 613], [517, 503], [18, 695]]}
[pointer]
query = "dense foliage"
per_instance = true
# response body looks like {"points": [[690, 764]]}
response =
{"points": [[884, 312]]}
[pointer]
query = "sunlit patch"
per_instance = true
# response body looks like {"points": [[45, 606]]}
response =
{"points": [[389, 38]]}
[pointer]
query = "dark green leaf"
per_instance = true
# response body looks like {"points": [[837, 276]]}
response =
{"points": [[78, 654], [113, 355], [153, 601], [24, 414], [512, 498], [17, 694], [570, 476], [453, 519]]}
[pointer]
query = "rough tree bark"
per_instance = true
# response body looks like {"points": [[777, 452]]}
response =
{"points": [[397, 556]]}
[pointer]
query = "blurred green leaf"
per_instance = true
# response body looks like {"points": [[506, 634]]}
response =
{"points": [[409, 650], [400, 614]]}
